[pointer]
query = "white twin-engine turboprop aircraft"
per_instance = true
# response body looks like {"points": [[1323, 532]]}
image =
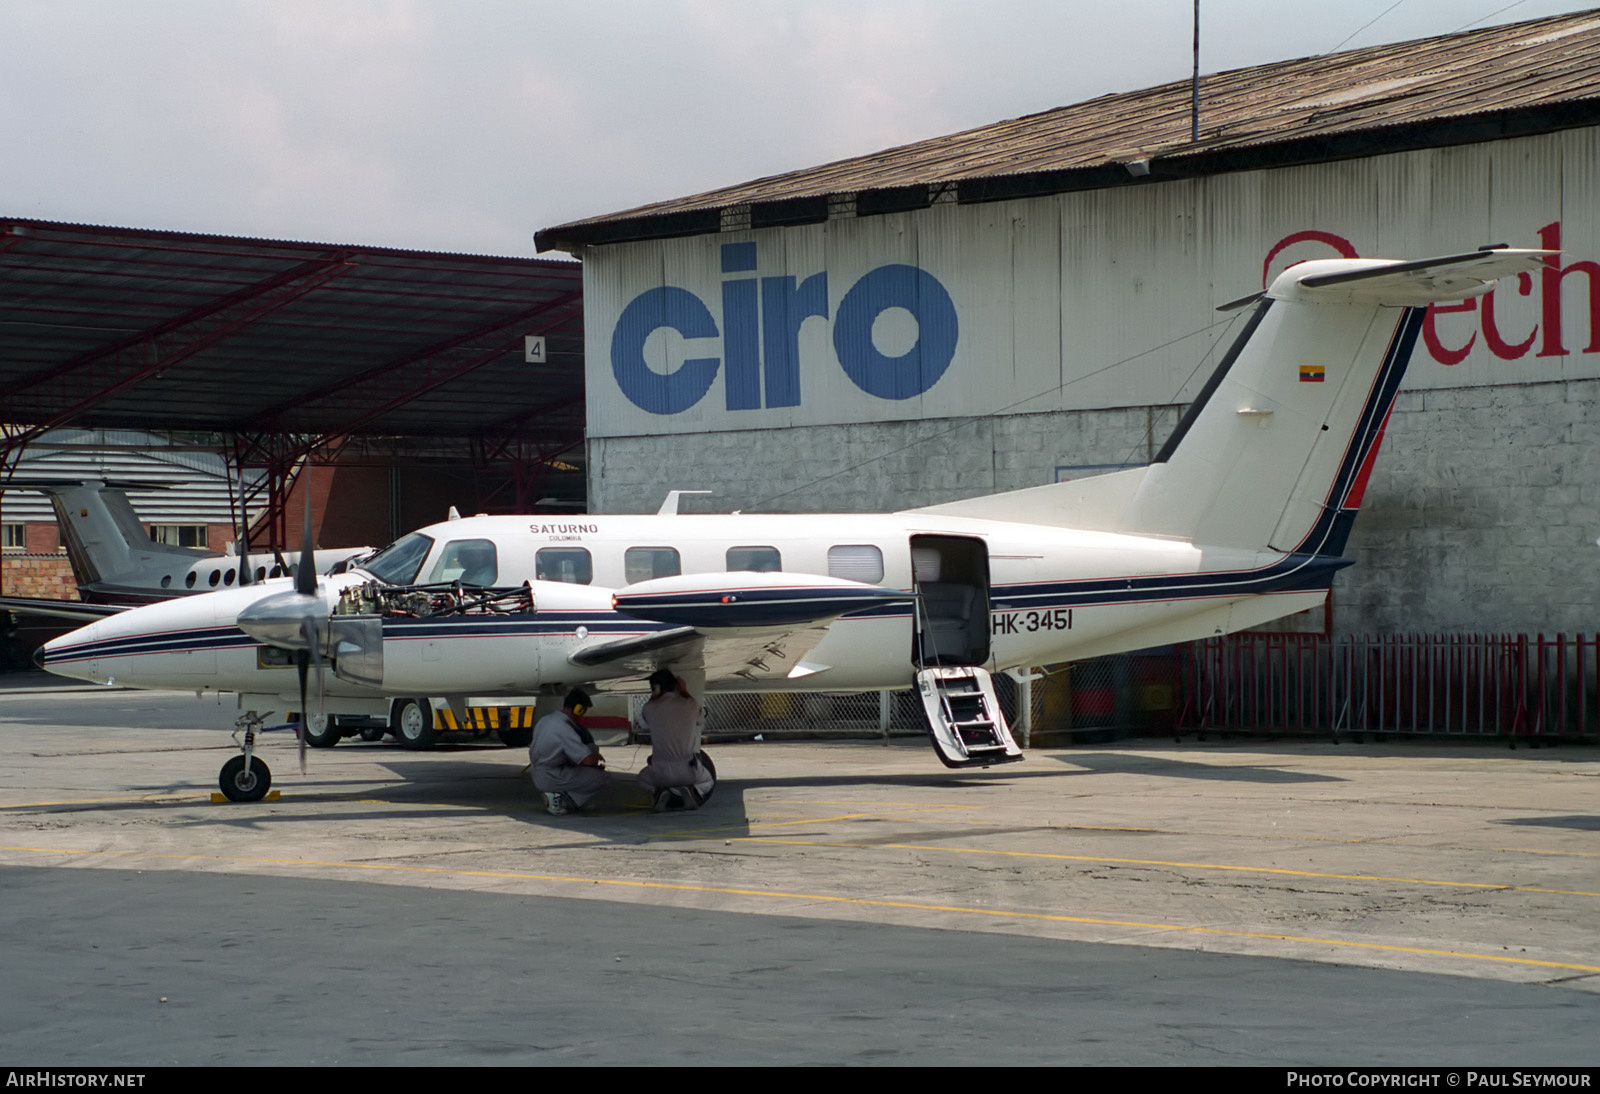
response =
{"points": [[1241, 519]]}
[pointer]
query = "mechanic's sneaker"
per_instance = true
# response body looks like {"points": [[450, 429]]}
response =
{"points": [[558, 804], [667, 799]]}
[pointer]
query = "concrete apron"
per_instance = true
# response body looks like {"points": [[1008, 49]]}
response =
{"points": [[1471, 860]]}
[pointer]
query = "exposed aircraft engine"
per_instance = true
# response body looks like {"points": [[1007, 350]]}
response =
{"points": [[421, 601]]}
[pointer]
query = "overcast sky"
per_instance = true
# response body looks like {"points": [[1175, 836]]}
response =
{"points": [[465, 125]]}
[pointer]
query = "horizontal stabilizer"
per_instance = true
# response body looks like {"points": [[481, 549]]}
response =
{"points": [[75, 610], [1406, 284], [61, 486]]}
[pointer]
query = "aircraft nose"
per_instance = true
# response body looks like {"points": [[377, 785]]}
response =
{"points": [[38, 657]]}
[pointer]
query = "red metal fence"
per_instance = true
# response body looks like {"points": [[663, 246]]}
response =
{"points": [[1444, 685]]}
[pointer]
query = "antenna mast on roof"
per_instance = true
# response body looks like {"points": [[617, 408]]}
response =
{"points": [[1194, 94]]}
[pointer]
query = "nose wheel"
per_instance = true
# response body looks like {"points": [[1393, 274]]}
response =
{"points": [[245, 778]]}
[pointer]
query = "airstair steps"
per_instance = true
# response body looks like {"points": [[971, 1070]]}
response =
{"points": [[965, 722]]}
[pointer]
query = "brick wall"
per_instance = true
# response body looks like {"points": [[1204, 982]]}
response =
{"points": [[41, 537], [37, 575]]}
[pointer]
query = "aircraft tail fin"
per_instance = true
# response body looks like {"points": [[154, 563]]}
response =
{"points": [[101, 532], [1276, 450]]}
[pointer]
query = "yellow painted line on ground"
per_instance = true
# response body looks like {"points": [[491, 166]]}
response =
{"points": [[828, 898], [1493, 886], [197, 796], [698, 833], [1391, 840], [695, 833], [888, 810], [1285, 836], [887, 805], [979, 825], [188, 795]]}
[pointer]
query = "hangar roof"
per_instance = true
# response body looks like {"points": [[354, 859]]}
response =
{"points": [[169, 330], [1471, 86]]}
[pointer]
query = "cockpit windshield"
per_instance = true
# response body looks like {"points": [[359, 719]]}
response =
{"points": [[399, 562]]}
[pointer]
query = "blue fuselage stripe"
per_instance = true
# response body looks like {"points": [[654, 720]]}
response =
{"points": [[1289, 574]]}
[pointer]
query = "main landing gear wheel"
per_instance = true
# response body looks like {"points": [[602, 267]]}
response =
{"points": [[411, 720], [321, 730], [241, 785]]}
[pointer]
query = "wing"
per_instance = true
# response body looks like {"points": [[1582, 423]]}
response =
{"points": [[768, 655], [75, 610], [736, 626]]}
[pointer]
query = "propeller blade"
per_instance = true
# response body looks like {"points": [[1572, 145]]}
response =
{"points": [[302, 659], [315, 648], [243, 548], [305, 576]]}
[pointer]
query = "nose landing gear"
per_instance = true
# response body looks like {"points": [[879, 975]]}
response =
{"points": [[246, 778]]}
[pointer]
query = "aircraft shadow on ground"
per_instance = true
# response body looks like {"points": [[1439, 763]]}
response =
{"points": [[624, 811], [1363, 743], [411, 791], [1107, 763], [1582, 822]]}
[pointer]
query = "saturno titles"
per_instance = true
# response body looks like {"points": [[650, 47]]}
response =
{"points": [[1242, 518]]}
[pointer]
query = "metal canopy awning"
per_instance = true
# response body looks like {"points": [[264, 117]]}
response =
{"points": [[284, 351], [168, 330]]}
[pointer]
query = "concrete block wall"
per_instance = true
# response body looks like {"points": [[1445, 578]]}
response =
{"points": [[876, 467], [1482, 514]]}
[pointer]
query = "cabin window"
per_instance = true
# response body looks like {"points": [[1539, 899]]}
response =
{"points": [[227, 577], [569, 564], [188, 580], [398, 563], [469, 561], [645, 563], [856, 562], [215, 576], [166, 581], [179, 535], [761, 560]]}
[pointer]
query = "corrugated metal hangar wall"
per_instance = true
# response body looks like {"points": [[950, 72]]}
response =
{"points": [[905, 359]]}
